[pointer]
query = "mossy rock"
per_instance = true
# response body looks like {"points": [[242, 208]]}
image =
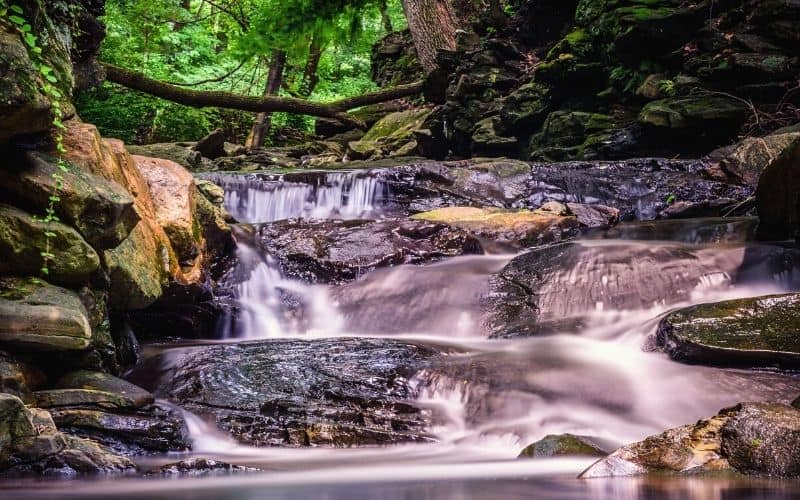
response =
{"points": [[39, 316], [557, 445], [488, 138], [693, 112], [103, 382], [754, 332], [22, 239], [526, 108], [389, 134]]}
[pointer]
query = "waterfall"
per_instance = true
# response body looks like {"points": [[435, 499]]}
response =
{"points": [[269, 304], [257, 198]]}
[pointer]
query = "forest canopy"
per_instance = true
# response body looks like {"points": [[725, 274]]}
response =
{"points": [[231, 45]]}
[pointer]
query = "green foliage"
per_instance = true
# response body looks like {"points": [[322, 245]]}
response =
{"points": [[667, 87], [233, 39], [47, 85]]}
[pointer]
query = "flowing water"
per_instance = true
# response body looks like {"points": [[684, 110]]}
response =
{"points": [[488, 398]]}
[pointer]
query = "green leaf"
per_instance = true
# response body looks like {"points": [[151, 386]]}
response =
{"points": [[45, 271], [50, 234], [30, 39], [51, 78], [16, 8], [17, 20], [45, 69]]}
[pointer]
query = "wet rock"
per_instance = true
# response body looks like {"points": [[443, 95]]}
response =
{"points": [[135, 396], [555, 288], [150, 429], [201, 467], [338, 392], [755, 332], [567, 135], [40, 316], [555, 445], [56, 398], [594, 216], [777, 194], [212, 146], [506, 227], [333, 251], [22, 239], [212, 192], [750, 438], [100, 210]]}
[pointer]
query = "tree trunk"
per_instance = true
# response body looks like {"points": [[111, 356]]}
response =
{"points": [[310, 77], [385, 19], [433, 27], [261, 126], [208, 98]]}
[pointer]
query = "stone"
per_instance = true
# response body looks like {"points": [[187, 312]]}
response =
{"points": [[100, 210], [486, 138], [201, 467], [98, 381], [22, 239], [758, 332], [763, 438], [777, 194], [517, 228], [744, 161], [180, 153], [83, 398], [594, 216], [749, 438], [40, 316], [172, 190], [333, 251], [568, 135], [327, 392], [18, 378], [212, 146], [706, 121], [556, 445], [212, 192]]}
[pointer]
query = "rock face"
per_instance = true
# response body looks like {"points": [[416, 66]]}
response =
{"points": [[751, 438], [756, 332], [505, 227], [340, 251], [42, 317], [563, 445], [339, 392]]}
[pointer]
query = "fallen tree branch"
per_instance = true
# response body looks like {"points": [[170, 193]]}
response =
{"points": [[217, 99]]}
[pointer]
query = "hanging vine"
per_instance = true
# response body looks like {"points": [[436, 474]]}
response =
{"points": [[14, 14]]}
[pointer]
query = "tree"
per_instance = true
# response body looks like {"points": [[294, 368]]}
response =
{"points": [[433, 27], [262, 123]]}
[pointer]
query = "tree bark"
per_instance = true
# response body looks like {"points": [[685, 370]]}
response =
{"points": [[433, 27], [204, 98], [385, 19], [262, 123], [310, 77]]}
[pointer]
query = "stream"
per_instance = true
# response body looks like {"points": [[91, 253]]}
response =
{"points": [[462, 405]]}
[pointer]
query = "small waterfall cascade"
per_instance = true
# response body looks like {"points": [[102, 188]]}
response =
{"points": [[258, 198]]}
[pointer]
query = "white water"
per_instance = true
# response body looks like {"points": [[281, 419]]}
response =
{"points": [[342, 195]]}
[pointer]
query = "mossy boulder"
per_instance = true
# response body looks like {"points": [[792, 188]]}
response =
{"points": [[694, 112], [103, 382], [568, 135], [488, 137], [390, 133], [40, 316], [527, 107], [753, 332], [100, 210], [557, 445], [23, 239]]}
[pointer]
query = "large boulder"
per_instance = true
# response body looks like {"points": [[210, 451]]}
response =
{"points": [[23, 238], [757, 332], [556, 445], [39, 316], [100, 210], [337, 392], [751, 438], [392, 134], [744, 161]]}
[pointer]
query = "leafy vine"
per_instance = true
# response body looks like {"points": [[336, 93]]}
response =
{"points": [[14, 14]]}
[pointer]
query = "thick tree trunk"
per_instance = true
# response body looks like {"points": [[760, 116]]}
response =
{"points": [[433, 27], [310, 76], [262, 124], [205, 98]]}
